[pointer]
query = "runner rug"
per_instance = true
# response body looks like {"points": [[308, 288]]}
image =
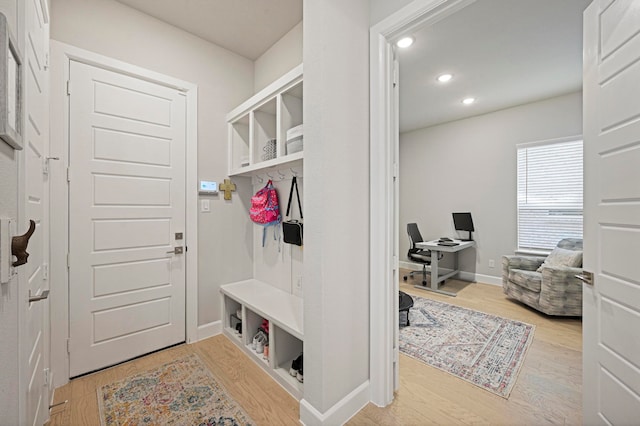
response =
{"points": [[182, 392], [480, 348]]}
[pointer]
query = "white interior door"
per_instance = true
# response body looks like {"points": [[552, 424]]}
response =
{"points": [[611, 311], [34, 337], [126, 215]]}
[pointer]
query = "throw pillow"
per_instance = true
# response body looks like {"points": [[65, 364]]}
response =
{"points": [[563, 257]]}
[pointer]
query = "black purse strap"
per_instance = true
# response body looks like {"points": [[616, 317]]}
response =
{"points": [[294, 182]]}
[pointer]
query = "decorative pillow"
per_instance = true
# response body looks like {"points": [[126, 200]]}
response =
{"points": [[563, 257]]}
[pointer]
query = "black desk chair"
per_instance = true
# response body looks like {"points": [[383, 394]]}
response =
{"points": [[416, 254]]}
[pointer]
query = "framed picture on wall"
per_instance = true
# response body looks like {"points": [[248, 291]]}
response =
{"points": [[10, 87]]}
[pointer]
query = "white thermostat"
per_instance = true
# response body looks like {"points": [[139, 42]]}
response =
{"points": [[208, 187]]}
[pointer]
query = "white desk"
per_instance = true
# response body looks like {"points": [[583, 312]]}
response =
{"points": [[436, 278]]}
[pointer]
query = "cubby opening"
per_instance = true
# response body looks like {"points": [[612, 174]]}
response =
{"points": [[240, 142], [265, 132]]}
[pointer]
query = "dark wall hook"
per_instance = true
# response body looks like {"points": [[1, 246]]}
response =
{"points": [[19, 245]]}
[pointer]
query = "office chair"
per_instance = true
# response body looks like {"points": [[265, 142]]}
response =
{"points": [[416, 254]]}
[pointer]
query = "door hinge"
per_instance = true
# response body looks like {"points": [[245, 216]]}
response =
{"points": [[68, 346], [45, 271], [68, 261], [46, 376], [46, 61], [396, 170], [68, 87], [68, 174]]}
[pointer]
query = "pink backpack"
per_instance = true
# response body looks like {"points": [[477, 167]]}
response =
{"points": [[265, 209]]}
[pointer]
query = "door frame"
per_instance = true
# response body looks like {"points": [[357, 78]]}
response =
{"points": [[61, 56], [383, 224]]}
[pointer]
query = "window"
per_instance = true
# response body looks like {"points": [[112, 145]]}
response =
{"points": [[549, 193]]}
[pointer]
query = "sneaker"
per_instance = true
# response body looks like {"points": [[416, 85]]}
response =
{"points": [[299, 376], [265, 354], [239, 328], [260, 344], [254, 342], [295, 365]]}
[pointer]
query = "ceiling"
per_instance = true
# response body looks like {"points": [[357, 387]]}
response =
{"points": [[247, 27], [502, 52]]}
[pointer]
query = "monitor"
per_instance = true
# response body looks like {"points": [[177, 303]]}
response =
{"points": [[463, 222]]}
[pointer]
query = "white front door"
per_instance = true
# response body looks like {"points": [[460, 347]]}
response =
{"points": [[34, 335], [126, 215], [611, 322]]}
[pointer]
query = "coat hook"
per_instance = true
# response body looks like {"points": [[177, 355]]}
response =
{"points": [[293, 172], [282, 175], [19, 245], [270, 177]]}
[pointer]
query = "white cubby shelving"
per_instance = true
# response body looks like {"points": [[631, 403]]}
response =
{"points": [[257, 301], [267, 115]]}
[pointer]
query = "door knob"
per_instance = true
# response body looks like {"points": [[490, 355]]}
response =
{"points": [[19, 245], [586, 277], [42, 296], [176, 250]]}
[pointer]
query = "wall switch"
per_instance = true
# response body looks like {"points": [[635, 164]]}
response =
{"points": [[205, 206], [492, 264]]}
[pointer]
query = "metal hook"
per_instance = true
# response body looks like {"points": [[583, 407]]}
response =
{"points": [[282, 175], [259, 179], [293, 172], [270, 177]]}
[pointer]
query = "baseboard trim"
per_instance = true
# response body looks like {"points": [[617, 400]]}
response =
{"points": [[209, 330], [340, 413], [462, 275]]}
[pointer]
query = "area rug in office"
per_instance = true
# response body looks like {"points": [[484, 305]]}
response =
{"points": [[480, 348], [181, 392]]}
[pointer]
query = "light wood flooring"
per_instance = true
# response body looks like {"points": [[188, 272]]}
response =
{"points": [[548, 389]]}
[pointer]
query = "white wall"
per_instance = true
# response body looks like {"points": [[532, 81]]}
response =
{"points": [[336, 168], [224, 80], [283, 56], [9, 159], [470, 165], [381, 9]]}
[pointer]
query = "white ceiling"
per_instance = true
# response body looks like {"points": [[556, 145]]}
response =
{"points": [[247, 27], [502, 52]]}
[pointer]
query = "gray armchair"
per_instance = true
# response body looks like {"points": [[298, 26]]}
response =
{"points": [[553, 290]]}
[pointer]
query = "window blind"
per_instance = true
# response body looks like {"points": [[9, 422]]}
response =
{"points": [[549, 194]]}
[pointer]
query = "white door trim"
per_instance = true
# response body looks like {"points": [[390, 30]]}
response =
{"points": [[383, 229], [61, 55]]}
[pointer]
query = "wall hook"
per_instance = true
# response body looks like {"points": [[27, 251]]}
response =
{"points": [[282, 175], [293, 172], [19, 245]]}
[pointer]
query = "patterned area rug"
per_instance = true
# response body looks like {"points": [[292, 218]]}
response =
{"points": [[483, 349], [182, 392]]}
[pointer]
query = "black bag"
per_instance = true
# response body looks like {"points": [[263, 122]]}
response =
{"points": [[292, 229]]}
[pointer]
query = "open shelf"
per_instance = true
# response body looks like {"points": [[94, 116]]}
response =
{"points": [[283, 310], [258, 127]]}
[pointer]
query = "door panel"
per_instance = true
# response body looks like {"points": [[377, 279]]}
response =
{"points": [[36, 335], [611, 355], [126, 192]]}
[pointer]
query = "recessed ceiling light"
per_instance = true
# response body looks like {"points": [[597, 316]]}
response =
{"points": [[468, 101], [444, 78], [405, 42]]}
